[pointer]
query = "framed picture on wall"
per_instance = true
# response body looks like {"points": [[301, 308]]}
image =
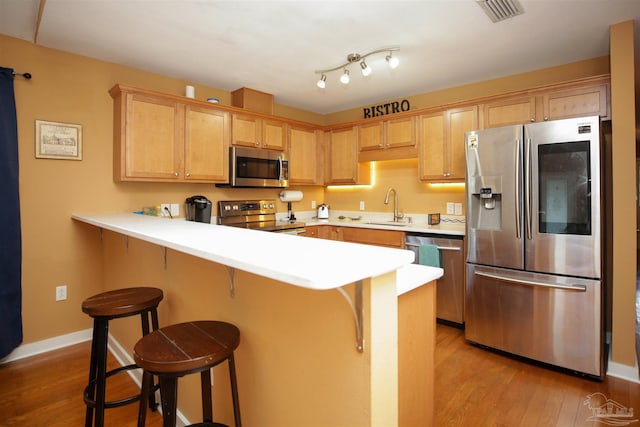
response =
{"points": [[58, 140]]}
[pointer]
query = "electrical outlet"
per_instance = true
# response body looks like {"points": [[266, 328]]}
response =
{"points": [[458, 208], [450, 208], [61, 293], [175, 209], [165, 208], [313, 204], [361, 205]]}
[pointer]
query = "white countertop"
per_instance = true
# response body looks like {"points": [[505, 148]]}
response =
{"points": [[309, 263]]}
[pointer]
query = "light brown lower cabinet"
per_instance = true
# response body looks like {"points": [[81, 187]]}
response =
{"points": [[368, 236]]}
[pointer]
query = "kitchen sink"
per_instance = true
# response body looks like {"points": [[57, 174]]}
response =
{"points": [[392, 223]]}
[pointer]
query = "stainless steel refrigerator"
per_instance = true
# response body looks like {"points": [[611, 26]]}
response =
{"points": [[534, 246]]}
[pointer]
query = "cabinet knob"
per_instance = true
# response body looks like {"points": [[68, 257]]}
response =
{"points": [[188, 174], [546, 118], [176, 174], [532, 119], [257, 144], [380, 145]]}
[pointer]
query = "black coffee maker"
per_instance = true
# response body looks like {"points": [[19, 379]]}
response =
{"points": [[198, 208]]}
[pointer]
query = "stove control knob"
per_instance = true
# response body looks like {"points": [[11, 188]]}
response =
{"points": [[235, 207]]}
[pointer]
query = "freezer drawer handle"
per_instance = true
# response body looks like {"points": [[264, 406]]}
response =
{"points": [[440, 248], [578, 288]]}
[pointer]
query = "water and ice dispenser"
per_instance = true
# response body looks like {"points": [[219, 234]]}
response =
{"points": [[485, 202]]}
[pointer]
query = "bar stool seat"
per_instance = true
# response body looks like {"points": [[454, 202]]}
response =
{"points": [[186, 348], [102, 308]]}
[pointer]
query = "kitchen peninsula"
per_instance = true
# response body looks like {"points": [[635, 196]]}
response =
{"points": [[299, 361]]}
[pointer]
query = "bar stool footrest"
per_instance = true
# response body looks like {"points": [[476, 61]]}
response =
{"points": [[120, 402]]}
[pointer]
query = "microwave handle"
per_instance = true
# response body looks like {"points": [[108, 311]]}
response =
{"points": [[280, 169]]}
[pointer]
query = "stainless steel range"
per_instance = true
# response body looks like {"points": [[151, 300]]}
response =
{"points": [[256, 215]]}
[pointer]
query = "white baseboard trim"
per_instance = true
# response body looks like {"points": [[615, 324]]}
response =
{"points": [[124, 358], [38, 347], [624, 372]]}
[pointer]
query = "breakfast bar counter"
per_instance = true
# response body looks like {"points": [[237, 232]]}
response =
{"points": [[308, 355]]}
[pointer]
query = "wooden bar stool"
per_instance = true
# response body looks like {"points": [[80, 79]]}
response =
{"points": [[104, 307], [187, 348]]}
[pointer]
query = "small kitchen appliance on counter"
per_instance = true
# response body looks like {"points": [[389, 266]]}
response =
{"points": [[198, 208], [256, 215], [323, 211]]}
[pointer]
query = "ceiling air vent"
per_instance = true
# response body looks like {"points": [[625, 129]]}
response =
{"points": [[499, 10]]}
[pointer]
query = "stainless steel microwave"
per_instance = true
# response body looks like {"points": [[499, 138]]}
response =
{"points": [[251, 167]]}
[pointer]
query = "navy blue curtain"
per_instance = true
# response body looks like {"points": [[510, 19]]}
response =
{"points": [[10, 235]]}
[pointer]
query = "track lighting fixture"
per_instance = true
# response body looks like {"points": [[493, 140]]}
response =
{"points": [[356, 57]]}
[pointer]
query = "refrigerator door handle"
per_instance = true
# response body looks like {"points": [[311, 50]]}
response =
{"points": [[577, 288], [527, 186], [517, 187]]}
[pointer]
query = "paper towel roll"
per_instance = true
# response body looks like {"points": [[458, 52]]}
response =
{"points": [[291, 196]]}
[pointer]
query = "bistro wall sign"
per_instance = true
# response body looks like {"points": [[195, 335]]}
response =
{"points": [[384, 109]]}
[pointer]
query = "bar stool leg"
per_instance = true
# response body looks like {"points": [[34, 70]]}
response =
{"points": [[102, 328], [153, 405], [234, 391], [91, 384], [169, 397], [147, 381], [205, 385]]}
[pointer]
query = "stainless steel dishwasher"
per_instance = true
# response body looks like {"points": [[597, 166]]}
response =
{"points": [[450, 287]]}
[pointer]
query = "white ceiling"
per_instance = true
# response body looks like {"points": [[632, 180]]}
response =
{"points": [[275, 46]]}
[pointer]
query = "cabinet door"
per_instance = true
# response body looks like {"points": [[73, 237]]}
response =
{"points": [[274, 134], [458, 121], [431, 146], [370, 136], [153, 144], [580, 102], [304, 156], [343, 165], [206, 145], [400, 132], [246, 130], [512, 111]]}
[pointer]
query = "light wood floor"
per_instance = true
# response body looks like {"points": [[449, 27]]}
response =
{"points": [[473, 387], [478, 387]]}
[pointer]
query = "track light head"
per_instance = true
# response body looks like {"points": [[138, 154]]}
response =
{"points": [[322, 83], [366, 70], [344, 78], [392, 60]]}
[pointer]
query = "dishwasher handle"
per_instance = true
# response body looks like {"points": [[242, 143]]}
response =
{"points": [[440, 248]]}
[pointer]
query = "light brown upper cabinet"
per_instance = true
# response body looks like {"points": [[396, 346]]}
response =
{"points": [[306, 157], [576, 102], [510, 111], [248, 130], [441, 154], [387, 140], [342, 164], [161, 139], [576, 99]]}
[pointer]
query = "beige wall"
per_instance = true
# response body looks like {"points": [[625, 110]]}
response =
{"points": [[70, 88]]}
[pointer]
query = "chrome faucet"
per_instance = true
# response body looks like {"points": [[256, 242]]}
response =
{"points": [[396, 217]]}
